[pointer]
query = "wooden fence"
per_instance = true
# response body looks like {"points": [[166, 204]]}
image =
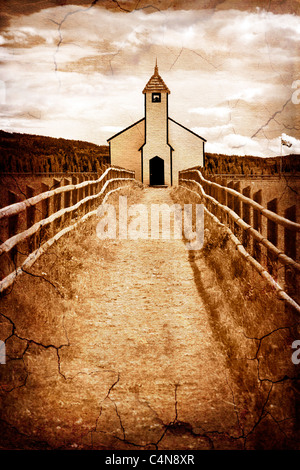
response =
{"points": [[28, 228], [237, 212]]}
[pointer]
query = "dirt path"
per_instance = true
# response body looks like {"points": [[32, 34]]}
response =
{"points": [[150, 327], [138, 366]]}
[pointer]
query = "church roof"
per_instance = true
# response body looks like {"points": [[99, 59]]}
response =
{"points": [[126, 129], [156, 83]]}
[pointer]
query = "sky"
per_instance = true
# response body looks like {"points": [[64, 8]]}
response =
{"points": [[77, 69]]}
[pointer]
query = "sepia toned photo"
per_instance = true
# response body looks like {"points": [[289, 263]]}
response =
{"points": [[149, 228]]}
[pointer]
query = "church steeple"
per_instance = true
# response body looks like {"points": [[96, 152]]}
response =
{"points": [[156, 83], [156, 151]]}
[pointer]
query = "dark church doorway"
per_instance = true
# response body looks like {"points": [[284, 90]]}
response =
{"points": [[157, 171]]}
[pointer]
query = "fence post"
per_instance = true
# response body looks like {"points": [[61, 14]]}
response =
{"points": [[247, 218], [66, 202], [223, 199], [45, 231], [218, 197], [230, 203], [86, 194], [67, 193], [30, 220], [91, 193], [272, 234], [99, 185], [8, 261], [45, 202], [74, 195], [257, 225], [237, 209], [80, 191], [56, 204], [290, 249], [75, 191]]}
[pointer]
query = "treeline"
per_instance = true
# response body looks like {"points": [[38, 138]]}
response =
{"points": [[25, 153], [234, 164]]}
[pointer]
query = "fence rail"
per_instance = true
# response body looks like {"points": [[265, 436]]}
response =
{"points": [[236, 212], [28, 228]]}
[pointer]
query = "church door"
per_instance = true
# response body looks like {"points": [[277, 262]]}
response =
{"points": [[157, 171]]}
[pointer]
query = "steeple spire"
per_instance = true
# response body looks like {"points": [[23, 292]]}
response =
{"points": [[156, 83]]}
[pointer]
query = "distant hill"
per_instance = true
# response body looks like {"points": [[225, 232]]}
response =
{"points": [[234, 164], [26, 153]]}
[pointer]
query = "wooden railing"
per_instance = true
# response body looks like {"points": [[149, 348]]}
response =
{"points": [[28, 228], [235, 211]]}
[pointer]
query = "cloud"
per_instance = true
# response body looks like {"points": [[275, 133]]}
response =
{"points": [[219, 112], [82, 73], [111, 129], [250, 94], [236, 144], [235, 141], [213, 133]]}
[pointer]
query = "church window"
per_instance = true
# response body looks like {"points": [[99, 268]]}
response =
{"points": [[156, 97]]}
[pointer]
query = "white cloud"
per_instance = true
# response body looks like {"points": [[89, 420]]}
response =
{"points": [[111, 129], [213, 134], [235, 141], [248, 94], [235, 144], [220, 111]]}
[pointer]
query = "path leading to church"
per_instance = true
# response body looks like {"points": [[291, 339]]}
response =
{"points": [[155, 335], [137, 366]]}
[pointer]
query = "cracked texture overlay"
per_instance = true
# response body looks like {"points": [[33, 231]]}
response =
{"points": [[133, 345], [104, 356]]}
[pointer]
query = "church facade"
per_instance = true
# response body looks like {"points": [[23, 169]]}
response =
{"points": [[156, 147]]}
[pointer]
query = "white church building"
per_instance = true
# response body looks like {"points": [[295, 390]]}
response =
{"points": [[156, 147]]}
